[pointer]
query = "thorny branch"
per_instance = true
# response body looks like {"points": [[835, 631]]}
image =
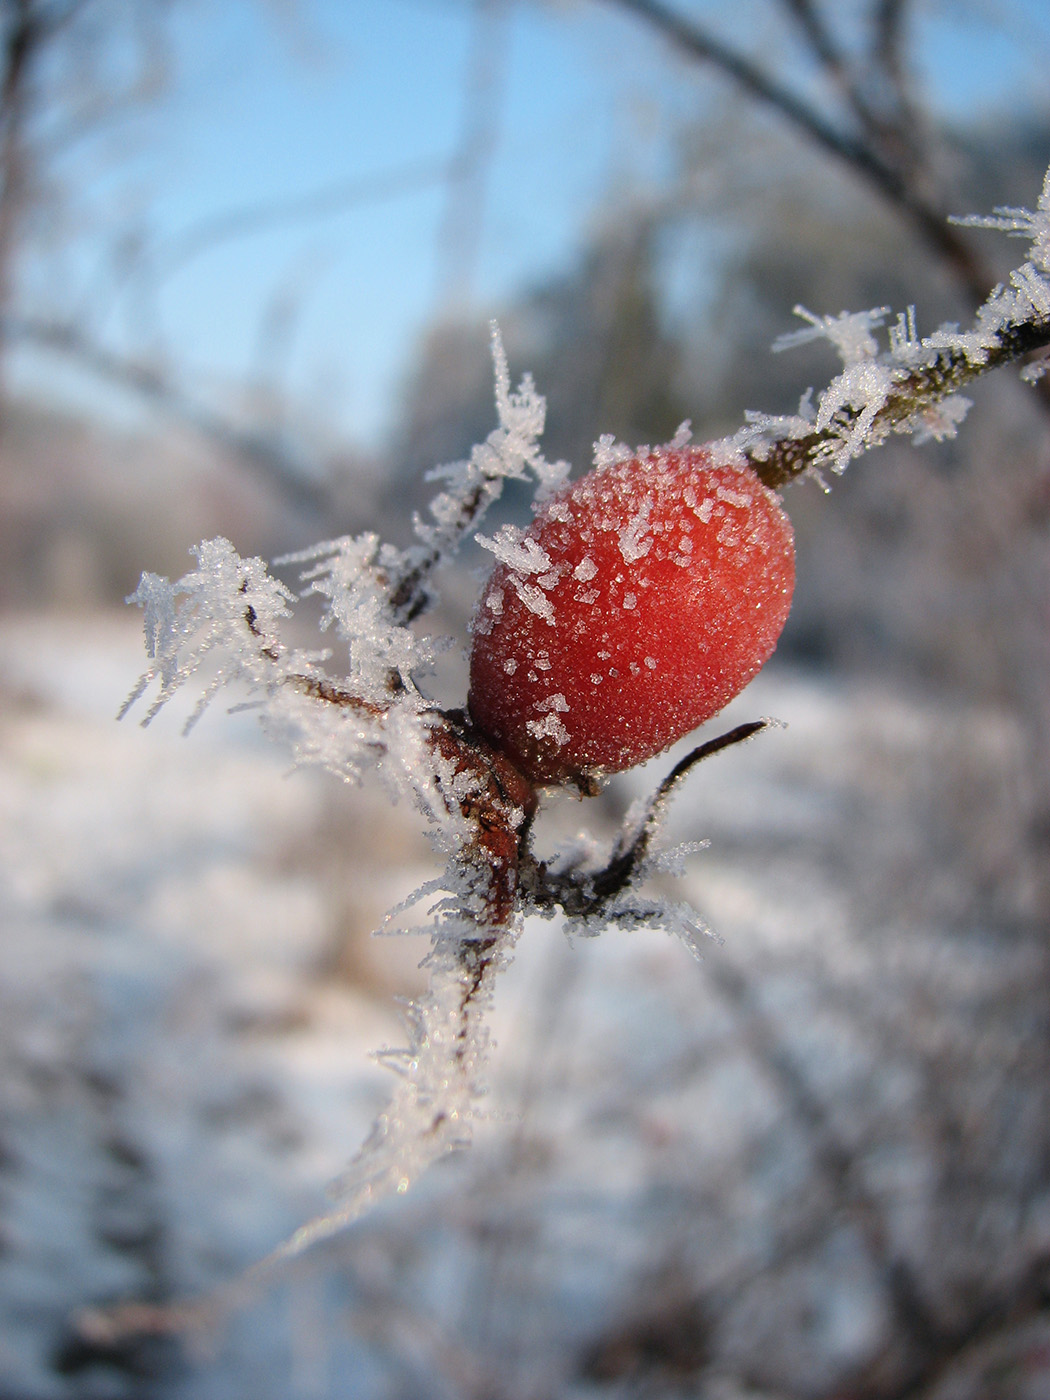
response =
{"points": [[480, 806], [586, 894], [913, 393]]}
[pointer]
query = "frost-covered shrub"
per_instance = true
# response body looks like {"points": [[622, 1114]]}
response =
{"points": [[476, 774]]}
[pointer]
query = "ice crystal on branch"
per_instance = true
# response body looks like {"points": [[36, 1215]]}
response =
{"points": [[850, 333], [1021, 223], [209, 612], [352, 575], [912, 386], [511, 451], [434, 1104]]}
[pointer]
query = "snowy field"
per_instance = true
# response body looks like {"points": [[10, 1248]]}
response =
{"points": [[814, 1164]]}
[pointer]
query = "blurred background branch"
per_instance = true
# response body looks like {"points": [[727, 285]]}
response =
{"points": [[878, 145]]}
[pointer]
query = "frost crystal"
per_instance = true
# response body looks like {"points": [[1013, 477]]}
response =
{"points": [[352, 575], [864, 387], [941, 420], [905, 345], [607, 451], [850, 333], [510, 451], [1021, 223], [511, 547], [223, 601], [433, 1107]]}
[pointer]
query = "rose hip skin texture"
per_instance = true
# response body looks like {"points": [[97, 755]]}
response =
{"points": [[641, 600]]}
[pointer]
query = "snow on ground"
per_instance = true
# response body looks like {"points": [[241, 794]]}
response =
{"points": [[694, 1178]]}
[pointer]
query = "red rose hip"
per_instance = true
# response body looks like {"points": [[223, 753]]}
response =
{"points": [[640, 601]]}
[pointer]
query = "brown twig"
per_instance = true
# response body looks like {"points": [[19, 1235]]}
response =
{"points": [[915, 391], [585, 893]]}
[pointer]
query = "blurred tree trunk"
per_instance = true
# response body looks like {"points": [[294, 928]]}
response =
{"points": [[21, 44]]}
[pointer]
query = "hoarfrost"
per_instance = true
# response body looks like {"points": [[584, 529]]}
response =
{"points": [[553, 702], [864, 387], [581, 863], [211, 610], [607, 451], [550, 727], [757, 437], [851, 414], [850, 332], [635, 540], [352, 575], [1021, 223], [941, 420], [511, 451], [905, 344], [434, 1104], [534, 599], [513, 548]]}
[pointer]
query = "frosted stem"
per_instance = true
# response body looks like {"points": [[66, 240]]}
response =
{"points": [[432, 1110], [914, 390]]}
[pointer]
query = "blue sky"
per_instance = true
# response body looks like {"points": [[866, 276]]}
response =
{"points": [[362, 89], [272, 102]]}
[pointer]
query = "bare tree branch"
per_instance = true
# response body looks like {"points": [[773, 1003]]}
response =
{"points": [[888, 51], [275, 462], [837, 1163], [822, 43], [324, 203], [858, 155], [992, 1316], [459, 236]]}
